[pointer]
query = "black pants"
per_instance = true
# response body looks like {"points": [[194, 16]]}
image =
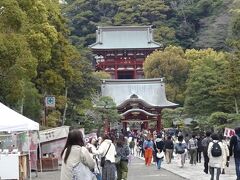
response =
{"points": [[211, 170], [206, 160], [199, 156]]}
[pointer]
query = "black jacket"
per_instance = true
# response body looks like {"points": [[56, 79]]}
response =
{"points": [[159, 144], [168, 144], [233, 147]]}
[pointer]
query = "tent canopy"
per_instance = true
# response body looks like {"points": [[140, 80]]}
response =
{"points": [[10, 120]]}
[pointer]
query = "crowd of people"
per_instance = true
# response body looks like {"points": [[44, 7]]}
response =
{"points": [[215, 149], [107, 157]]}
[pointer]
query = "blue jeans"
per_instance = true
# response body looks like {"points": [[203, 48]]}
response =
{"points": [[237, 164], [159, 162], [98, 176]]}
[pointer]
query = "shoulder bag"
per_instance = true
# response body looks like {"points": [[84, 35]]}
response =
{"points": [[103, 159]]}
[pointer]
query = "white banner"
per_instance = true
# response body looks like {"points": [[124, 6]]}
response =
{"points": [[229, 132]]}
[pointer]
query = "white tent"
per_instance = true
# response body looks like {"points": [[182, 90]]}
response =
{"points": [[10, 120]]}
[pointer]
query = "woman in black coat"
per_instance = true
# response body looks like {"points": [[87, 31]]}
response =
{"points": [[158, 148]]}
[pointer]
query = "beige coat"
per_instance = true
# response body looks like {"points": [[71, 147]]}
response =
{"points": [[217, 162], [77, 154]]}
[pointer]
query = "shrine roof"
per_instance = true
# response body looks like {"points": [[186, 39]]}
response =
{"points": [[125, 37], [152, 91]]}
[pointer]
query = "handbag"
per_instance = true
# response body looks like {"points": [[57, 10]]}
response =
{"points": [[82, 172], [160, 155], [103, 159]]}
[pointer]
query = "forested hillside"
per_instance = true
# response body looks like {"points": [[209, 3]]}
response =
{"points": [[36, 59], [43, 51], [188, 23]]}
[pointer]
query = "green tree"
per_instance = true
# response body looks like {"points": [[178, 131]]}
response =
{"points": [[172, 116], [173, 66], [205, 80]]}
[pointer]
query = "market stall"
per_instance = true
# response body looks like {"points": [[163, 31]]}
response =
{"points": [[14, 123]]}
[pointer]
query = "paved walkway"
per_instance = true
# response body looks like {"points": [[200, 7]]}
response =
{"points": [[195, 172], [137, 171]]}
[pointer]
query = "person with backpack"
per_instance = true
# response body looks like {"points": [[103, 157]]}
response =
{"points": [[205, 143], [180, 150], [235, 149], [192, 147], [217, 156]]}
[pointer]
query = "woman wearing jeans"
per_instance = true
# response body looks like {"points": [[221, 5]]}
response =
{"points": [[158, 147]]}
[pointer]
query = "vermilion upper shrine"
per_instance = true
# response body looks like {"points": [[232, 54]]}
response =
{"points": [[121, 51]]}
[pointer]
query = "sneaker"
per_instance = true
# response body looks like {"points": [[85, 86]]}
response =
{"points": [[206, 171]]}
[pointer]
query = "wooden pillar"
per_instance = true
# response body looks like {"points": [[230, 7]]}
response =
{"points": [[159, 122], [124, 127], [145, 125], [135, 69], [115, 65]]}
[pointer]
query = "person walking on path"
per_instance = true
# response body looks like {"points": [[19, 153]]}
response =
{"points": [[217, 157], [73, 153], [235, 149], [168, 149], [205, 143], [199, 149], [192, 147], [132, 146], [122, 152], [225, 145], [186, 139], [180, 150], [148, 150], [107, 149], [158, 148]]}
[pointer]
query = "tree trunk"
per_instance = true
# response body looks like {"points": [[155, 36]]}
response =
{"points": [[236, 105], [65, 108]]}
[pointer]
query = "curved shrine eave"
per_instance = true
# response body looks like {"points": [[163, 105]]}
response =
{"points": [[145, 104], [130, 101], [136, 110]]}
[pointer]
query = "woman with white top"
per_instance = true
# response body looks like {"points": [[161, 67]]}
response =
{"points": [[107, 149], [217, 156], [73, 153]]}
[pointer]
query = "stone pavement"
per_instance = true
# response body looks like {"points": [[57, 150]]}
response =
{"points": [[195, 172], [137, 171]]}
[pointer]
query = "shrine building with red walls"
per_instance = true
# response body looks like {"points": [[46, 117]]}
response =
{"points": [[121, 51]]}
